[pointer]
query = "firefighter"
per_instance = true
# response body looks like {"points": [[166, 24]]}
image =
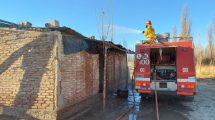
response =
{"points": [[149, 33]]}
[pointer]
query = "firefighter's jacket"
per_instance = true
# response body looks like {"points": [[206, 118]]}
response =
{"points": [[150, 33]]}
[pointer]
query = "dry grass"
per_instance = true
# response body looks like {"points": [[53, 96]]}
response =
{"points": [[131, 68], [131, 63], [205, 71]]}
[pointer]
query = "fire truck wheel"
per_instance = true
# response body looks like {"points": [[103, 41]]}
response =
{"points": [[145, 96], [190, 98], [187, 98]]}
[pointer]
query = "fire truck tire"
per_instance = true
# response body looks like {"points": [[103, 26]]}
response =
{"points": [[145, 96], [187, 98], [190, 98]]}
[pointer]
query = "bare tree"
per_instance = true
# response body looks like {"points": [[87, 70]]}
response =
{"points": [[174, 34], [104, 30], [124, 43], [199, 50], [103, 13], [210, 46], [185, 24], [213, 40]]}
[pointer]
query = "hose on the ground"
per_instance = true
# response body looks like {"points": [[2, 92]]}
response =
{"points": [[156, 97], [132, 87]]}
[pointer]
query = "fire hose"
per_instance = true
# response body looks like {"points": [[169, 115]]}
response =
{"points": [[132, 88], [121, 116], [156, 97]]}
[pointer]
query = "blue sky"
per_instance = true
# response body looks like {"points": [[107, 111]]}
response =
{"points": [[84, 16]]}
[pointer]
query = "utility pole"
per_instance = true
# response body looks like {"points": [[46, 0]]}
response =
{"points": [[112, 31], [103, 35], [105, 57]]}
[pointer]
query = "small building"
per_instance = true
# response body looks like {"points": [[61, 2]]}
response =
{"points": [[44, 71]]}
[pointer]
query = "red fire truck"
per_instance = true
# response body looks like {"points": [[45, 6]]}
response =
{"points": [[169, 65]]}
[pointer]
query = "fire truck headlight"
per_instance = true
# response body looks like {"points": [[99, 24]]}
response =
{"points": [[182, 86], [192, 86]]}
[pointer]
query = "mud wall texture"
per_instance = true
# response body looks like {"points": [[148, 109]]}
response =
{"points": [[117, 71], [27, 73], [78, 76], [38, 80]]}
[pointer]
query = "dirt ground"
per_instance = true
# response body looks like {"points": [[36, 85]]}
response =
{"points": [[171, 107]]}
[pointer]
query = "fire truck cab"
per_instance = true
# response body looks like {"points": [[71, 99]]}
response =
{"points": [[169, 65]]}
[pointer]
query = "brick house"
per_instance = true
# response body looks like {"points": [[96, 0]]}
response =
{"points": [[44, 71]]}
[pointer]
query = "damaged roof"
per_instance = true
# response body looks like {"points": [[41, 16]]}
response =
{"points": [[76, 34], [66, 31], [74, 41]]}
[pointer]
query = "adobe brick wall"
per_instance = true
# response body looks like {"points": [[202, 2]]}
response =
{"points": [[27, 73], [117, 71], [79, 76], [37, 79]]}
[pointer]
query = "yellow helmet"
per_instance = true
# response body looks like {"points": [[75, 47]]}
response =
{"points": [[148, 22]]}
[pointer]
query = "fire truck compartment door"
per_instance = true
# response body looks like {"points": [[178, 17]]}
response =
{"points": [[185, 62], [143, 61]]}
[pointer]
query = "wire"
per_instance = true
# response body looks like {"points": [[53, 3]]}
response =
{"points": [[132, 87], [156, 97]]}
